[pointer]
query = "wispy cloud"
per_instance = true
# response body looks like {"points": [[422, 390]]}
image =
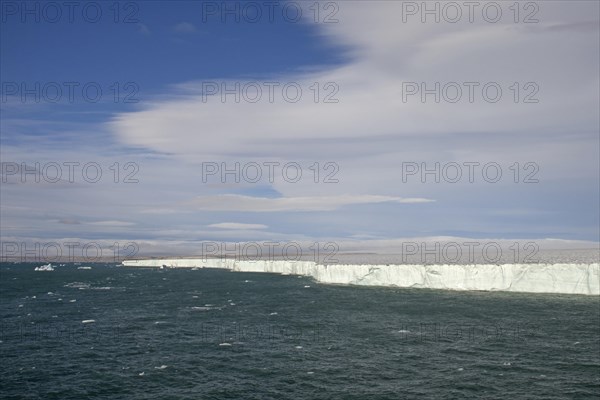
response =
{"points": [[237, 226], [230, 202], [112, 223], [185, 27], [143, 29]]}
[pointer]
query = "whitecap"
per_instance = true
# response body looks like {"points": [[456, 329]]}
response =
{"points": [[88, 321], [224, 344], [161, 367], [299, 347], [306, 286], [202, 308], [77, 285], [273, 313]]}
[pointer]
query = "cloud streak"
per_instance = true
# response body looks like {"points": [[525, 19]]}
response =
{"points": [[294, 204]]}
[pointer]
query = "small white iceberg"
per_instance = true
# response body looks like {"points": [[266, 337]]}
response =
{"points": [[46, 267]]}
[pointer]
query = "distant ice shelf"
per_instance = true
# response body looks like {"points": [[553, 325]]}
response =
{"points": [[529, 278]]}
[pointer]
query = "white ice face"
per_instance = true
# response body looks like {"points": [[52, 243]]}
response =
{"points": [[533, 278]]}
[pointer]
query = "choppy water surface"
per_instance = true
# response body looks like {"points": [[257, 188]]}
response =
{"points": [[118, 333]]}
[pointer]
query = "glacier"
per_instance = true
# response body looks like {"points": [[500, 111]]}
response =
{"points": [[563, 278]]}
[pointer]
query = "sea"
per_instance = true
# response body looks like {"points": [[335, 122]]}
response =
{"points": [[110, 332]]}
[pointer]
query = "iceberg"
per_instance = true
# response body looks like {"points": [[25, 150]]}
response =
{"points": [[46, 267], [566, 278]]}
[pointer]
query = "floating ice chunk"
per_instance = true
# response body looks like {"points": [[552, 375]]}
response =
{"points": [[46, 267]]}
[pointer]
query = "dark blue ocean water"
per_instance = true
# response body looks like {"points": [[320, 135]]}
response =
{"points": [[214, 334]]}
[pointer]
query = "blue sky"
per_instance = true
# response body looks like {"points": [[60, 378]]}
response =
{"points": [[167, 53]]}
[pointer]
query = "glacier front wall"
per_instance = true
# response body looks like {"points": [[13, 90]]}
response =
{"points": [[530, 278]]}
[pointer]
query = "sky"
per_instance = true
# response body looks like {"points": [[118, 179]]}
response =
{"points": [[363, 123]]}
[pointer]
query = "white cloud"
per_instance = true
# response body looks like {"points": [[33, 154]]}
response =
{"points": [[184, 27], [237, 226], [112, 223], [230, 202], [143, 29], [385, 54]]}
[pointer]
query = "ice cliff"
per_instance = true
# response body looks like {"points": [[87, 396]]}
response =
{"points": [[532, 278]]}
